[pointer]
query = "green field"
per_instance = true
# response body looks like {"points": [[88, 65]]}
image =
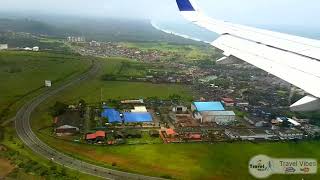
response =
{"points": [[189, 161], [22, 73]]}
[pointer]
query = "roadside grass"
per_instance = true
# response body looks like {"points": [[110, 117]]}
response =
{"points": [[23, 73], [19, 153]]}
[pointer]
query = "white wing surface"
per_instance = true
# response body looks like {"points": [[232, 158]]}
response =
{"points": [[292, 58]]}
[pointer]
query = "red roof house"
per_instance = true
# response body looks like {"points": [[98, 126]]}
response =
{"points": [[91, 136]]}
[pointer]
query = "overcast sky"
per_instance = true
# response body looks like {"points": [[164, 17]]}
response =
{"points": [[262, 12]]}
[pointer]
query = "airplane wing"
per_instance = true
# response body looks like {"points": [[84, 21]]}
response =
{"points": [[292, 58]]}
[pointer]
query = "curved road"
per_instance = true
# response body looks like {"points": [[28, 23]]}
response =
{"points": [[24, 131]]}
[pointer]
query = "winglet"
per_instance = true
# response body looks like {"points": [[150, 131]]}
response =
{"points": [[185, 5]]}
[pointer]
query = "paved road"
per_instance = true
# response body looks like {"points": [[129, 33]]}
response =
{"points": [[24, 131]]}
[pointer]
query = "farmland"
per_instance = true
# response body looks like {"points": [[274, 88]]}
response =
{"points": [[22, 73]]}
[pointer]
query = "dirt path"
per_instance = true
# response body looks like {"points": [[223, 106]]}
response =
{"points": [[5, 167]]}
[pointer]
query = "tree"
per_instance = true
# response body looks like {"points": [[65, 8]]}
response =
{"points": [[58, 109]]}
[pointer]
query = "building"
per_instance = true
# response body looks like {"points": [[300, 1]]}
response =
{"points": [[228, 102], [27, 49], [249, 134], [212, 112], [68, 123], [139, 109], [112, 115], [219, 117], [179, 109], [76, 39], [136, 117], [98, 136], [290, 134], [36, 48], [171, 133], [138, 101], [291, 121], [3, 46], [206, 106]]}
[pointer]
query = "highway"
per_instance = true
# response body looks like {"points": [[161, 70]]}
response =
{"points": [[25, 133]]}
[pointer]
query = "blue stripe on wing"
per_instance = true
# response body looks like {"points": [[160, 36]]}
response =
{"points": [[185, 5]]}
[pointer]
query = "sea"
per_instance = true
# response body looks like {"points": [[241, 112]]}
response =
{"points": [[191, 31]]}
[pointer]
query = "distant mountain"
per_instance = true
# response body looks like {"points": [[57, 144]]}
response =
{"points": [[28, 26], [91, 28]]}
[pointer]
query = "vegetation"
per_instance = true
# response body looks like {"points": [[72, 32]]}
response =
{"points": [[189, 161], [23, 73]]}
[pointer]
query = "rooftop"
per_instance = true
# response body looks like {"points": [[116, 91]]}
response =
{"points": [[111, 114], [137, 117], [209, 106], [221, 113]]}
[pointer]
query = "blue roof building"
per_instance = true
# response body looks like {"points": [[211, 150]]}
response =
{"points": [[112, 115], [207, 106], [132, 117]]}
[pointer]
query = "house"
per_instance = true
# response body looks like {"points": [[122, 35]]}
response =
{"points": [[171, 133], [179, 109], [36, 48], [228, 102], [98, 136], [3, 46], [68, 123]]}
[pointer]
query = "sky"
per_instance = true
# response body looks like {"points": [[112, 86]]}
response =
{"points": [[302, 13]]}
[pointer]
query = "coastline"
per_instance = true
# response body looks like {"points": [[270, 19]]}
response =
{"points": [[154, 25]]}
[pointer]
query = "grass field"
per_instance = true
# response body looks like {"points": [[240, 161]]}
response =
{"points": [[190, 161], [23, 72]]}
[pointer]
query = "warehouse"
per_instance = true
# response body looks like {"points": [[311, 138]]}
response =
{"points": [[206, 106], [112, 115], [210, 112], [136, 117], [219, 117]]}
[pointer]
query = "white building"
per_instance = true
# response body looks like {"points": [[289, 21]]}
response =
{"points": [[219, 117], [290, 134], [249, 134], [3, 46], [179, 109], [139, 109], [36, 48], [27, 49]]}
